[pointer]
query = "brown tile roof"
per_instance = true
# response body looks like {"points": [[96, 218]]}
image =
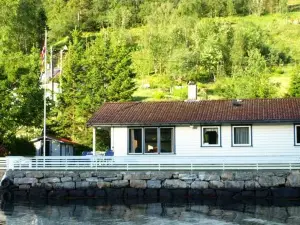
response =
{"points": [[190, 112]]}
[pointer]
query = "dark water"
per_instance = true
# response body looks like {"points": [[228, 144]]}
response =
{"points": [[206, 212]]}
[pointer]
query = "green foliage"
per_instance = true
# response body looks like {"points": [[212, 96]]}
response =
{"points": [[157, 95], [92, 75], [295, 83], [20, 147]]}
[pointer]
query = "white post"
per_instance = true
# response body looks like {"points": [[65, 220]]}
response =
{"points": [[45, 108], [94, 140]]}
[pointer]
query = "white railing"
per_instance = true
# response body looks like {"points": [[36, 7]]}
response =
{"points": [[2, 163], [158, 162]]}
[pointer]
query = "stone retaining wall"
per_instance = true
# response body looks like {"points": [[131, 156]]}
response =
{"points": [[236, 184]]}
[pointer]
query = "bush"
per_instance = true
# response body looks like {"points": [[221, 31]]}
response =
{"points": [[158, 95], [21, 147], [181, 93]]}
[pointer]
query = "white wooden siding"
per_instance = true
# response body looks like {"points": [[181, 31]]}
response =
{"points": [[267, 139]]}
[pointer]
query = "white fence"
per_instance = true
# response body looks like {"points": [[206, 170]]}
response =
{"points": [[158, 162]]}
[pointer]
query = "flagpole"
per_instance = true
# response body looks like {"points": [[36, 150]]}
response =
{"points": [[45, 77]]}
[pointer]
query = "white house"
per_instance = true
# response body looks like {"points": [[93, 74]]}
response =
{"points": [[248, 128], [54, 146]]}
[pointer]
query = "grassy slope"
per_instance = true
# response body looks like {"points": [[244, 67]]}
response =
{"points": [[285, 37]]}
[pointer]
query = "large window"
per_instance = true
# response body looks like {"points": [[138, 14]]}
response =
{"points": [[211, 136], [241, 136], [297, 134], [135, 141], [151, 140]]}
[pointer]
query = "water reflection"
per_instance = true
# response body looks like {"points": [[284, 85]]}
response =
{"points": [[223, 212]]}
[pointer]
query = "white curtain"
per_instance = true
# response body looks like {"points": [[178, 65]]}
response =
{"points": [[241, 135]]}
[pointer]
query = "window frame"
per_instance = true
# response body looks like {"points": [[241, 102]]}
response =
{"points": [[128, 140], [250, 136], [295, 134], [219, 136], [158, 141]]}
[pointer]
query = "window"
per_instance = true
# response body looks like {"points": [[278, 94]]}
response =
{"points": [[135, 141], [297, 134], [211, 136], [151, 145], [241, 136], [151, 140]]}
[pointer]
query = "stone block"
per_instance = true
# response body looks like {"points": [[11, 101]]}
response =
{"points": [[293, 180], [25, 180], [103, 184], [199, 185], [17, 174], [20, 194], [57, 194], [224, 193], [130, 192], [110, 179], [195, 193], [100, 193], [82, 185], [187, 176], [84, 175], [115, 193], [119, 183], [251, 185], [92, 179], [248, 194], [265, 181], [34, 174], [70, 174], [242, 175], [262, 193], [37, 193], [209, 176], [161, 175], [175, 183], [66, 179], [234, 184], [215, 184], [48, 186], [90, 192], [278, 181], [58, 185], [50, 180], [137, 176], [153, 184], [226, 175], [68, 185], [141, 184]]}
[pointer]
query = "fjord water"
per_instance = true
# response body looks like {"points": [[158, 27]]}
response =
{"points": [[207, 212]]}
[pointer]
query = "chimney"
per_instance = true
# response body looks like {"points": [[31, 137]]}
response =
{"points": [[192, 91]]}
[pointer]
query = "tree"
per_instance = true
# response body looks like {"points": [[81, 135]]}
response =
{"points": [[295, 83]]}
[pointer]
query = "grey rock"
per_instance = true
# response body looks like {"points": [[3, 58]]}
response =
{"points": [[138, 184], [71, 174], [84, 175], [278, 181], [103, 184], [77, 179], [25, 180], [215, 212], [216, 184], [119, 183], [137, 176], [92, 179], [265, 181], [110, 179], [153, 184], [17, 174], [161, 175], [57, 186], [175, 175], [24, 187], [199, 185], [35, 174], [187, 176], [82, 184], [234, 184], [175, 183], [66, 179], [104, 174], [226, 175], [251, 185], [293, 180], [242, 175], [48, 186], [50, 180], [209, 176], [69, 185]]}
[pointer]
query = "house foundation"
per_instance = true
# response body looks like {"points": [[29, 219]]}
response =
{"points": [[162, 185]]}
